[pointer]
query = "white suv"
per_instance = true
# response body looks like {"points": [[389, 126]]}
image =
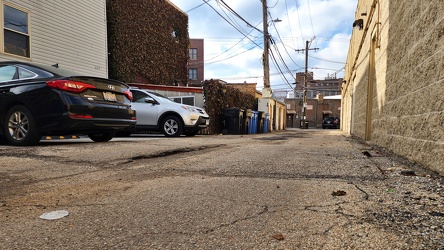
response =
{"points": [[155, 112]]}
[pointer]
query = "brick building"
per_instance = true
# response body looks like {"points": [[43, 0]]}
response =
{"points": [[327, 87], [196, 68], [318, 108], [394, 80], [323, 100]]}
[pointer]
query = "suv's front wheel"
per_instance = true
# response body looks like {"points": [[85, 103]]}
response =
{"points": [[172, 126]]}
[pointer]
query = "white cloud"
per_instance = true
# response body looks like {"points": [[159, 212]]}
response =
{"points": [[232, 57]]}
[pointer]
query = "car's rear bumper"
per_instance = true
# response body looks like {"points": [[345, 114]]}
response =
{"points": [[66, 125]]}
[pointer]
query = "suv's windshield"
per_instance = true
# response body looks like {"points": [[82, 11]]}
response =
{"points": [[161, 96]]}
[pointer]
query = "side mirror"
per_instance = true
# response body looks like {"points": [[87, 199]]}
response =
{"points": [[150, 100]]}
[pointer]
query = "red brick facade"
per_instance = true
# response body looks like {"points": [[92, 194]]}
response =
{"points": [[196, 63], [317, 109]]}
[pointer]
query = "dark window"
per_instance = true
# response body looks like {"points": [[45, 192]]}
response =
{"points": [[16, 33], [193, 74], [188, 100], [193, 54], [7, 73], [139, 96]]}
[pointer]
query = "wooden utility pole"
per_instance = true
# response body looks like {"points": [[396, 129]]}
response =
{"points": [[266, 92], [304, 109]]}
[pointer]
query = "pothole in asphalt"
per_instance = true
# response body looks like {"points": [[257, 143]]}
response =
{"points": [[173, 152], [274, 138]]}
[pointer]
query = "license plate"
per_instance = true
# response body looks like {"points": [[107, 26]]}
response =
{"points": [[108, 96], [207, 121]]}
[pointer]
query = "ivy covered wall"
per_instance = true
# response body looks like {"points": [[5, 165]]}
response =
{"points": [[219, 96], [148, 42]]}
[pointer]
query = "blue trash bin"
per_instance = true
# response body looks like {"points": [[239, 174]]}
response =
{"points": [[253, 123], [256, 120], [266, 120]]}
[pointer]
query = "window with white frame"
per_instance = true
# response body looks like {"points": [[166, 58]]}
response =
{"points": [[188, 100], [16, 31], [193, 74], [193, 54]]}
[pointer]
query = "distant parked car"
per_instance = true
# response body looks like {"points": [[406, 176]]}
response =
{"points": [[157, 113], [331, 122], [37, 100]]}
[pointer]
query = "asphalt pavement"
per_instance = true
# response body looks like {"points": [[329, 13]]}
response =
{"points": [[293, 189]]}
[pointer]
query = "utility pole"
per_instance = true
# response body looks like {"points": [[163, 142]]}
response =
{"points": [[304, 109], [266, 92]]}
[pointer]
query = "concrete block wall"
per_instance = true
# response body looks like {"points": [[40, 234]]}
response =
{"points": [[407, 114]]}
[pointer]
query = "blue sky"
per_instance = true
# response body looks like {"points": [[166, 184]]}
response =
{"points": [[234, 54]]}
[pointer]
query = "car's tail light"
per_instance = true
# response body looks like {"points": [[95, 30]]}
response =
{"points": [[129, 95], [70, 86], [80, 116]]}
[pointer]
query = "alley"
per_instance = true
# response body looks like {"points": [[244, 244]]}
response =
{"points": [[294, 189]]}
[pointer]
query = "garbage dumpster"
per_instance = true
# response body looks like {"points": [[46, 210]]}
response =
{"points": [[266, 121], [260, 122], [233, 119]]}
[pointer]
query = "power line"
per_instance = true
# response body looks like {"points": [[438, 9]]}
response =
{"points": [[320, 59], [241, 18], [197, 6], [284, 46], [311, 19], [231, 24], [299, 17], [288, 18]]}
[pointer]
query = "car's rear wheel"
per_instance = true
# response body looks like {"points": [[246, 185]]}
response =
{"points": [[172, 126], [20, 128], [103, 136]]}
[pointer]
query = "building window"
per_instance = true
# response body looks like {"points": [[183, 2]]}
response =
{"points": [[16, 32], [188, 100], [193, 54], [193, 74]]}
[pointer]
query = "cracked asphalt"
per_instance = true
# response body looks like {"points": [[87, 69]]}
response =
{"points": [[293, 189]]}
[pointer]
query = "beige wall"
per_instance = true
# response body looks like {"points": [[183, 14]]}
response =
{"points": [[277, 113], [394, 91], [70, 33]]}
